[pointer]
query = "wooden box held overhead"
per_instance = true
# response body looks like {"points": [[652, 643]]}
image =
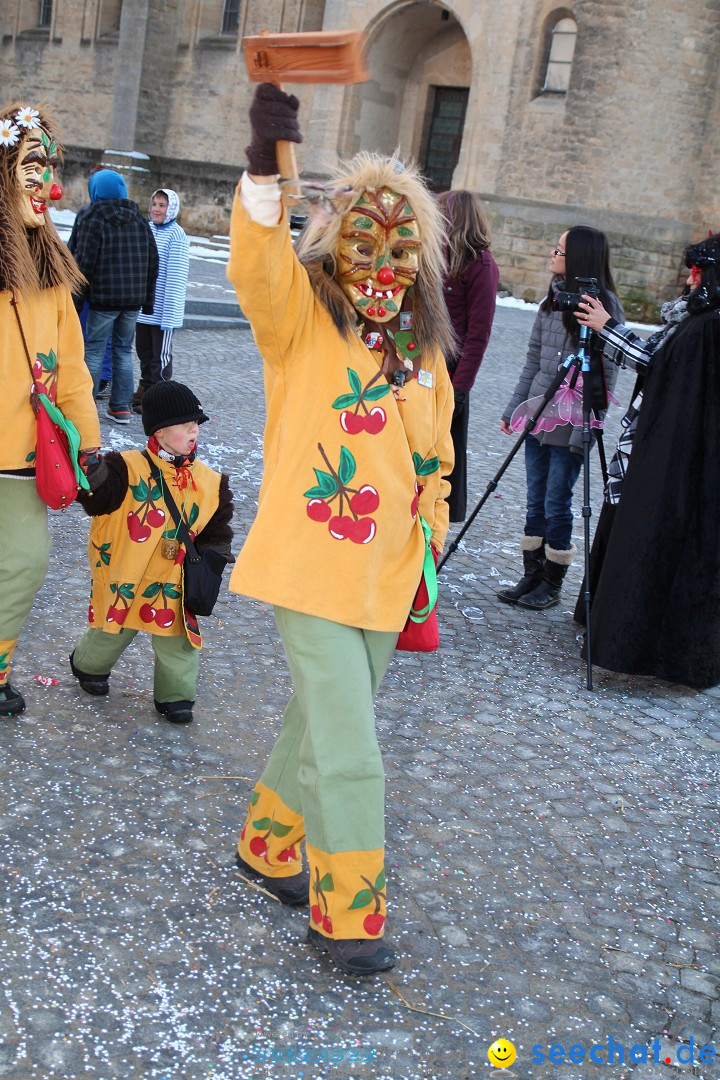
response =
{"points": [[328, 56]]}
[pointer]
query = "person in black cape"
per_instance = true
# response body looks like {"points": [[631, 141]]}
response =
{"points": [[656, 607]]}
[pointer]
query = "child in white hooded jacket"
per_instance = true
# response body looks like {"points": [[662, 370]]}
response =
{"points": [[154, 333]]}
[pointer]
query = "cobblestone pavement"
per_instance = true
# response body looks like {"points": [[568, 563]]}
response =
{"points": [[552, 851]]}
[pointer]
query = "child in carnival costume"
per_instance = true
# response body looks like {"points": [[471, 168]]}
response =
{"points": [[136, 556], [352, 330], [37, 279]]}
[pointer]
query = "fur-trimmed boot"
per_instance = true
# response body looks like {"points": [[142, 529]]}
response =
{"points": [[547, 593], [533, 553]]}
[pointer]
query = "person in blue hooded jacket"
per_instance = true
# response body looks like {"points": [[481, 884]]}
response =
{"points": [[154, 333], [116, 251]]}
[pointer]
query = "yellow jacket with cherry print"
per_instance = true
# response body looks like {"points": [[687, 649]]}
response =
{"points": [[54, 340], [133, 585], [337, 533]]}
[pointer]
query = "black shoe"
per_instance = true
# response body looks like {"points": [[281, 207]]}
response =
{"points": [[102, 389], [11, 700], [360, 956], [91, 684], [177, 712], [293, 890]]}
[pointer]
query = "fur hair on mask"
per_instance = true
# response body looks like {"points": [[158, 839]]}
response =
{"points": [[317, 246]]}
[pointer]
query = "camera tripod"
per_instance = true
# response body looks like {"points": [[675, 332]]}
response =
{"points": [[572, 365]]}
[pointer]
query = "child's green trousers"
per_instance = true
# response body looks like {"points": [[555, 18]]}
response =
{"points": [[176, 662]]}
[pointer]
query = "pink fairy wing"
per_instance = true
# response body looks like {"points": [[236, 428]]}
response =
{"points": [[547, 421]]}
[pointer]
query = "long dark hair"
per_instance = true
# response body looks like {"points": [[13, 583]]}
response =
{"points": [[587, 254], [706, 257], [467, 229]]}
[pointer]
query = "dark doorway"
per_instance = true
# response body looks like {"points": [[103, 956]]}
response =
{"points": [[445, 133]]}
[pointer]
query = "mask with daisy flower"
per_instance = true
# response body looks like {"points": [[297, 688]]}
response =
{"points": [[32, 255], [37, 161]]}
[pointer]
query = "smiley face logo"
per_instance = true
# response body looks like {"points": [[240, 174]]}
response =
{"points": [[501, 1054]]}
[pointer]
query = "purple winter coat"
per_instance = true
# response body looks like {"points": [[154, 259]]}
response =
{"points": [[470, 301]]}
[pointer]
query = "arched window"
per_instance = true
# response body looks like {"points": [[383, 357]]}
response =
{"points": [[560, 56]]}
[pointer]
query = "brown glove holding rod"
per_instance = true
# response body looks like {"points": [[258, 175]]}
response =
{"points": [[273, 119]]}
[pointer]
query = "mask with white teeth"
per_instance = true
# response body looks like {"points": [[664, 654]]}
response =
{"points": [[38, 159], [378, 253]]}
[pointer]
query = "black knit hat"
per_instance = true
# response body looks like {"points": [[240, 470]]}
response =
{"points": [[168, 403]]}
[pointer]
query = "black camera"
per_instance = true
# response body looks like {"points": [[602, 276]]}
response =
{"points": [[569, 301]]}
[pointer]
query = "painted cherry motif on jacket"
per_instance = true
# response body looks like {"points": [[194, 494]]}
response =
{"points": [[148, 516], [162, 616], [44, 371], [333, 485], [125, 595], [423, 467], [355, 416]]}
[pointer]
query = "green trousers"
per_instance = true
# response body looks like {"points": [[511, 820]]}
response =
{"points": [[324, 780], [326, 763], [24, 553], [176, 662]]}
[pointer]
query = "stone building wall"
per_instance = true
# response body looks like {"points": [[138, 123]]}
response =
{"points": [[629, 148]]}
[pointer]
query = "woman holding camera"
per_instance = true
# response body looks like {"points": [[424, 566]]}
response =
{"points": [[553, 458]]}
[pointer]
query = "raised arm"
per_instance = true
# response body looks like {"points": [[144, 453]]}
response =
{"points": [[272, 287]]}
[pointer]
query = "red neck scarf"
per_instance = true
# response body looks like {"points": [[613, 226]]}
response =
{"points": [[183, 465]]}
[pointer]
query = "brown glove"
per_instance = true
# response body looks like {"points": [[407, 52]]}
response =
{"points": [[273, 118]]}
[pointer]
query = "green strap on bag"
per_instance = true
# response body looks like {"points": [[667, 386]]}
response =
{"points": [[429, 573], [72, 433]]}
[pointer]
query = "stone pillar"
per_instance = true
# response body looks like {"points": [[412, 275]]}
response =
{"points": [[122, 154]]}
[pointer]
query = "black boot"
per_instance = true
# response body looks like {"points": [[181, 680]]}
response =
{"points": [[533, 554], [97, 685], [11, 700], [547, 593], [177, 712]]}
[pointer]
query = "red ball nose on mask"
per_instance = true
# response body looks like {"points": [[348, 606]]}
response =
{"points": [[55, 193], [386, 276]]}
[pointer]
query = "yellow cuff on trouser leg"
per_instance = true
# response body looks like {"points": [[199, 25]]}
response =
{"points": [[347, 893], [7, 648], [270, 838]]}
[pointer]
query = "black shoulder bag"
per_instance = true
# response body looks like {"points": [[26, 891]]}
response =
{"points": [[202, 572]]}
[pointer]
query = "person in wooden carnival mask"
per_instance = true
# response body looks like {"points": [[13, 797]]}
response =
{"points": [[351, 327], [41, 343]]}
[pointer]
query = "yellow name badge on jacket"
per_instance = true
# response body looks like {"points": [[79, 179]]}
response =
{"points": [[425, 378]]}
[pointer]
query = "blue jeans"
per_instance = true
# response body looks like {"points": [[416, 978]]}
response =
{"points": [[106, 373], [100, 325], [551, 474]]}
